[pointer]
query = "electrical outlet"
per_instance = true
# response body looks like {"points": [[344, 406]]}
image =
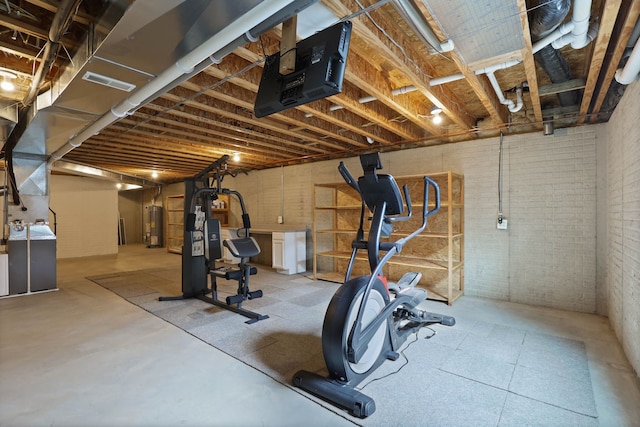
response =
{"points": [[502, 223]]}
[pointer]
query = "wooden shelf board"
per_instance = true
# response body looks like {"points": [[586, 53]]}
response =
{"points": [[424, 234], [413, 205], [397, 260], [331, 277], [440, 294]]}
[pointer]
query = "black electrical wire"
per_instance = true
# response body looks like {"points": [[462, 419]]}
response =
{"points": [[404, 356], [500, 176]]}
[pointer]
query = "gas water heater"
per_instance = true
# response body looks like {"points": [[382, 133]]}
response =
{"points": [[153, 226]]}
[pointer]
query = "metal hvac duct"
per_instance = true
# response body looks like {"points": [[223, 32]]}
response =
{"points": [[147, 47], [543, 20]]}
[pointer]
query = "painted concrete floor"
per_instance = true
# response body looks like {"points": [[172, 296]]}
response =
{"points": [[83, 356]]}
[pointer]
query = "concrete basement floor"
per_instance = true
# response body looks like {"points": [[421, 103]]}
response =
{"points": [[84, 356]]}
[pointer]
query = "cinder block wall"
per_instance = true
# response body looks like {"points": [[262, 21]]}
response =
{"points": [[623, 223], [548, 255]]}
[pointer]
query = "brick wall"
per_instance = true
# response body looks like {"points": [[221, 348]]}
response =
{"points": [[548, 255], [623, 221]]}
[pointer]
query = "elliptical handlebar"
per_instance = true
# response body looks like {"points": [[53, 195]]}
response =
{"points": [[426, 212], [342, 168]]}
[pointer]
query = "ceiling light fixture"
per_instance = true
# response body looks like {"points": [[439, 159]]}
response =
{"points": [[236, 157], [7, 86], [154, 174], [7, 77], [435, 115]]}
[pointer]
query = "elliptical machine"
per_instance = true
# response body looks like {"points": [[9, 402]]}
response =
{"points": [[368, 319]]}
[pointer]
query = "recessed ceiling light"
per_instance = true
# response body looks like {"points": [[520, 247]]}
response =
{"points": [[154, 174]]}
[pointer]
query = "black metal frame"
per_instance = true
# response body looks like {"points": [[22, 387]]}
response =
{"points": [[381, 195], [195, 268]]}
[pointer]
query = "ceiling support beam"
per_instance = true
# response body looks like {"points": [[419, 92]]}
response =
{"points": [[367, 31], [626, 29], [530, 64]]}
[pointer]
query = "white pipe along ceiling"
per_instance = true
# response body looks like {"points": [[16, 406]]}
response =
{"points": [[630, 71], [126, 78], [183, 66], [575, 32]]}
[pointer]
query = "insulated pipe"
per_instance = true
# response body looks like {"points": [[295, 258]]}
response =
{"points": [[630, 71], [183, 66], [249, 36], [420, 27]]}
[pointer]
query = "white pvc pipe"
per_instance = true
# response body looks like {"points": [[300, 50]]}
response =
{"points": [[446, 79], [493, 68], [509, 103], [556, 34], [183, 66], [581, 35], [630, 71], [403, 90], [416, 20], [580, 19], [561, 42], [366, 99]]}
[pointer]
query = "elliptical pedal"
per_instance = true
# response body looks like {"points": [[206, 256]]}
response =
{"points": [[408, 280]]}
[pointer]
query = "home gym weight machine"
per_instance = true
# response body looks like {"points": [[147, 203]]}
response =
{"points": [[202, 244], [368, 318]]}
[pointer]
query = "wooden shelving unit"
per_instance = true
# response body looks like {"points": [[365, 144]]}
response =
{"points": [[222, 211], [175, 223], [175, 219], [437, 253]]}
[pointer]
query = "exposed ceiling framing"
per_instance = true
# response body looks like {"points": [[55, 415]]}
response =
{"points": [[211, 114]]}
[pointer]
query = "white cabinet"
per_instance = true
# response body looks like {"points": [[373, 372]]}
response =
{"points": [[289, 251]]}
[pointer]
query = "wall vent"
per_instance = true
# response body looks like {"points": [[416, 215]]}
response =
{"points": [[108, 81]]}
